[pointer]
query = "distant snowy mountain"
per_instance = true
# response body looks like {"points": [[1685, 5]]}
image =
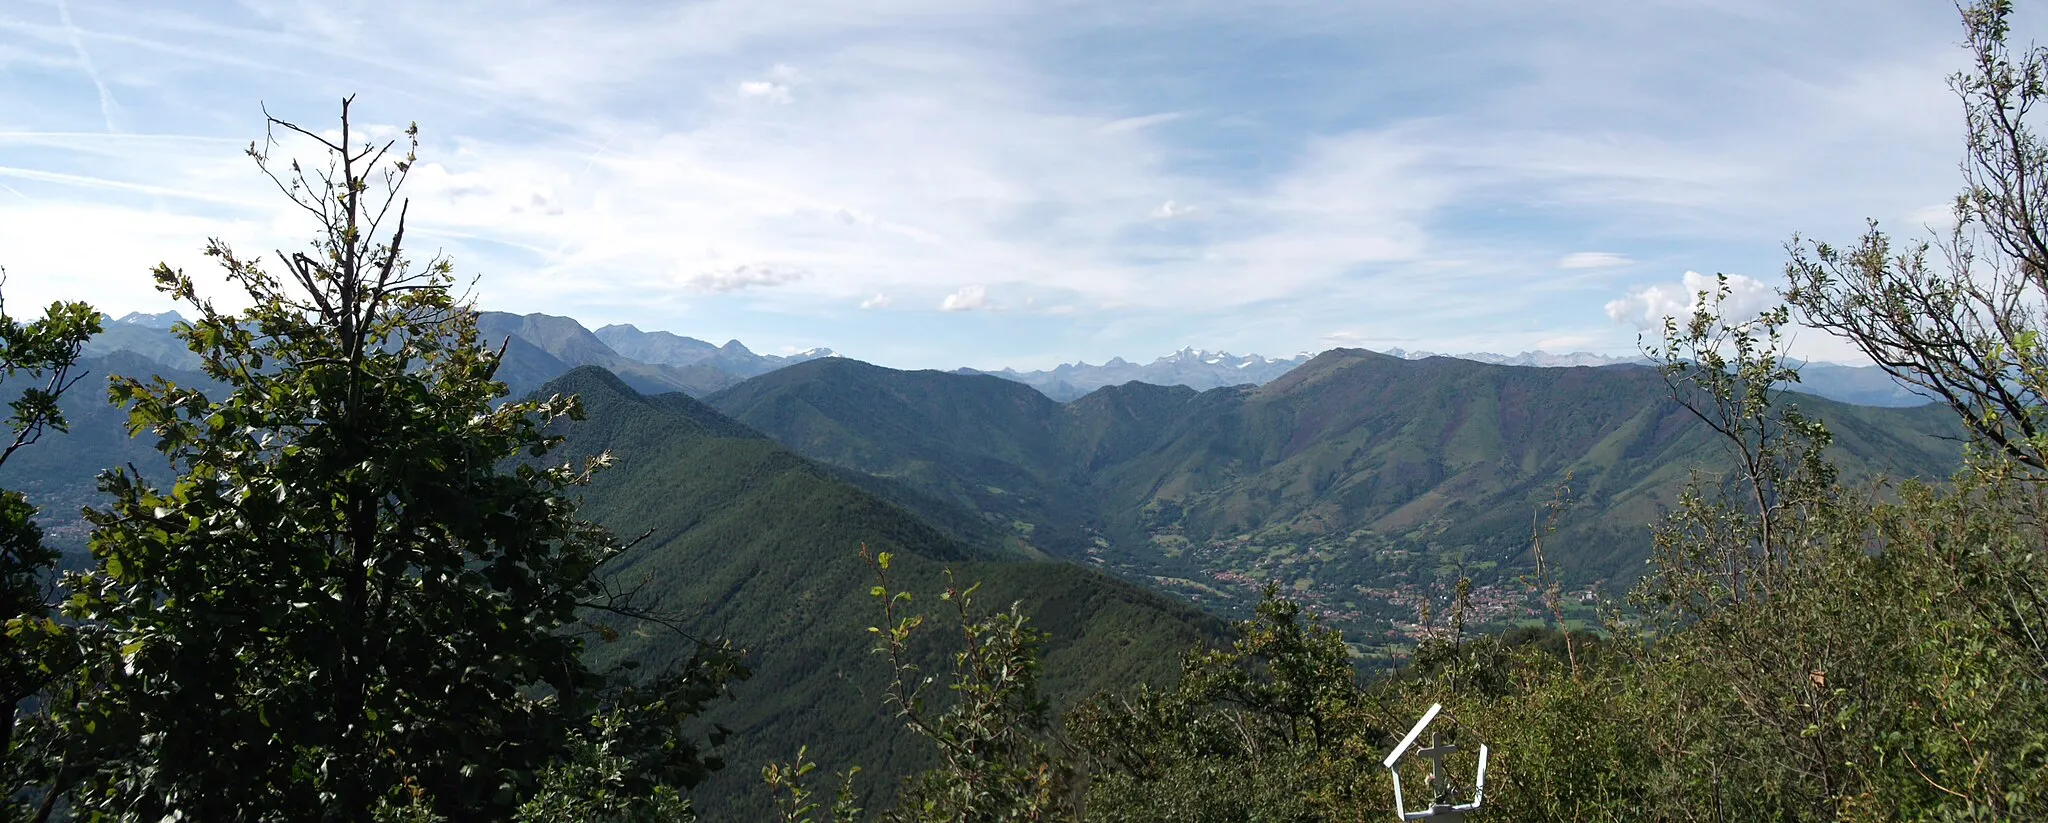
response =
{"points": [[148, 335], [160, 320], [1189, 367]]}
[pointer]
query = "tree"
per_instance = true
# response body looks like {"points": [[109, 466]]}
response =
{"points": [[1824, 652], [1729, 375], [1748, 569], [997, 764], [363, 577], [1969, 329], [32, 647], [1275, 727]]}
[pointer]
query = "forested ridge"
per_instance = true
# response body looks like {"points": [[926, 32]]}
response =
{"points": [[1360, 481]]}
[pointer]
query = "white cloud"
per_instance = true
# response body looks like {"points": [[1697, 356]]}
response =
{"points": [[1593, 260], [968, 298], [1646, 306], [775, 88], [768, 90], [741, 277], [569, 156], [879, 301]]}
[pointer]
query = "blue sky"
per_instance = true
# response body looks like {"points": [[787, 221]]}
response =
{"points": [[938, 183]]}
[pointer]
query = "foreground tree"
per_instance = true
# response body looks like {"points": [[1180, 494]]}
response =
{"points": [[44, 354], [1829, 652], [1967, 328], [1274, 727], [996, 764], [362, 578]]}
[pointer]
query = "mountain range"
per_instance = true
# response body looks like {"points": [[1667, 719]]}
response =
{"points": [[541, 347], [1364, 484]]}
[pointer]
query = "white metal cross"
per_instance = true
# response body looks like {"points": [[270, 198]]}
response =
{"points": [[1437, 751], [1440, 808]]}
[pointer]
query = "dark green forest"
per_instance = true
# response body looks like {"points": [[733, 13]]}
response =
{"points": [[343, 562]]}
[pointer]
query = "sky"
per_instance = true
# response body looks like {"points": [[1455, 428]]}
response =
{"points": [[990, 183]]}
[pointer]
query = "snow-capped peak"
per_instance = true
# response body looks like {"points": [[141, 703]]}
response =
{"points": [[160, 320]]}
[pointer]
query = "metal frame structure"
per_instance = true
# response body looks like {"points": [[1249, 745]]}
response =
{"points": [[1439, 809]]}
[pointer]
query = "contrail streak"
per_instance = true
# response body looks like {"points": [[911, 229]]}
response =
{"points": [[566, 242], [83, 181], [107, 104]]}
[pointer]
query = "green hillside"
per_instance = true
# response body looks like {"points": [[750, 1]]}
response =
{"points": [[1361, 482], [747, 541], [981, 442], [752, 542]]}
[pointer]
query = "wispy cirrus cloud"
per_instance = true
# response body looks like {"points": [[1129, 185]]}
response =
{"points": [[1401, 168]]}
